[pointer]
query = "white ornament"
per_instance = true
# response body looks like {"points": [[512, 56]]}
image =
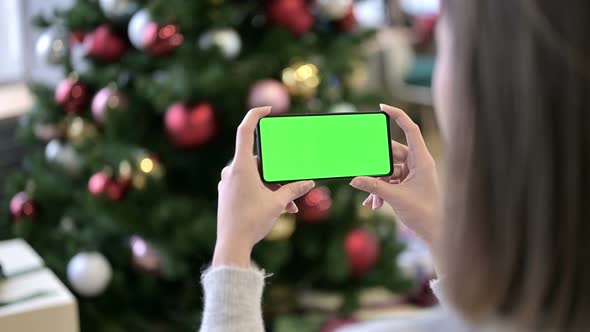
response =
{"points": [[52, 46], [64, 155], [118, 10], [137, 25], [343, 108], [89, 273], [334, 9], [227, 40]]}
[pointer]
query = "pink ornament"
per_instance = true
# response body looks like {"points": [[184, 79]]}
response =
{"points": [[22, 206], [270, 93], [161, 40], [105, 99], [315, 206], [97, 183], [144, 256], [190, 127]]}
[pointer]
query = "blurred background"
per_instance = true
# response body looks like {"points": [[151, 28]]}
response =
{"points": [[116, 117]]}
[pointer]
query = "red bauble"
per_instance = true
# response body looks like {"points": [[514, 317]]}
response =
{"points": [[105, 44], [190, 127], [294, 15], [22, 206], [424, 28], [315, 206], [162, 39], [72, 95], [116, 189], [270, 93], [97, 183], [347, 23], [335, 324], [362, 251]]}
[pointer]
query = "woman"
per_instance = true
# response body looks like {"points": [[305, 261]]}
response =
{"points": [[511, 231]]}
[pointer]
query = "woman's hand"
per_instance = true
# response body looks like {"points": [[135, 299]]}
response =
{"points": [[247, 208], [412, 190]]}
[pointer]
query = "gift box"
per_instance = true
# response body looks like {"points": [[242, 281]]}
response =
{"points": [[32, 298]]}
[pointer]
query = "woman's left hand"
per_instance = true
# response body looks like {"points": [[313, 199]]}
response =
{"points": [[247, 208]]}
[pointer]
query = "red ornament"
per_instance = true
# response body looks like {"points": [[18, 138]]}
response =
{"points": [[77, 37], [315, 206], [423, 29], [22, 206], [362, 250], [72, 95], [348, 23], [97, 183], [116, 189], [293, 15], [105, 44], [335, 324], [162, 40], [190, 127]]}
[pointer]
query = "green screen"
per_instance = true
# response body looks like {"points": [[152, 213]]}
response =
{"points": [[324, 146]]}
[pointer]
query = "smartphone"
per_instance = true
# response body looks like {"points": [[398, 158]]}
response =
{"points": [[324, 146]]}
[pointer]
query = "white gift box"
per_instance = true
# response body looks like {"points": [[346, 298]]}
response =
{"points": [[32, 298]]}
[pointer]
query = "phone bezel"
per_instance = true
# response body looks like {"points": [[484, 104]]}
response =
{"points": [[259, 142]]}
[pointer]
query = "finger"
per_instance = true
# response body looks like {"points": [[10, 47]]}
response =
{"points": [[292, 191], [377, 202], [368, 201], [400, 151], [224, 172], [245, 134], [374, 186], [292, 207], [410, 128], [397, 171]]}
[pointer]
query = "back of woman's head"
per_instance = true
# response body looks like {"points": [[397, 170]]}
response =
{"points": [[517, 227]]}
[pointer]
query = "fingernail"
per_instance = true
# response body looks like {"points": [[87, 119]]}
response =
{"points": [[382, 106], [296, 209], [309, 184]]}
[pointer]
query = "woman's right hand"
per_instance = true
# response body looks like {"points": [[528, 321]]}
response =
{"points": [[413, 189]]}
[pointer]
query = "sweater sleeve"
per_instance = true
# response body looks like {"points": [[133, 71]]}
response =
{"points": [[233, 299]]}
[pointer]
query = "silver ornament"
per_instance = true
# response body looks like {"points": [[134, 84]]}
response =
{"points": [[79, 59], [137, 25], [118, 10], [334, 9], [52, 46], [343, 108], [227, 40], [63, 155], [89, 273]]}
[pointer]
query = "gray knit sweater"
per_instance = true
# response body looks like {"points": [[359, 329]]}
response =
{"points": [[233, 304]]}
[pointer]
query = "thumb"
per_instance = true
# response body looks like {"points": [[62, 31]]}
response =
{"points": [[374, 186], [292, 191]]}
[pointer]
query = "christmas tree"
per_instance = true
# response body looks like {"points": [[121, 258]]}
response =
{"points": [[118, 190]]}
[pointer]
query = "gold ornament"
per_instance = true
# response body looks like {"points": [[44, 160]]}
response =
{"points": [[358, 78], [364, 213], [149, 166], [138, 181], [302, 79], [80, 130], [125, 170], [283, 229]]}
